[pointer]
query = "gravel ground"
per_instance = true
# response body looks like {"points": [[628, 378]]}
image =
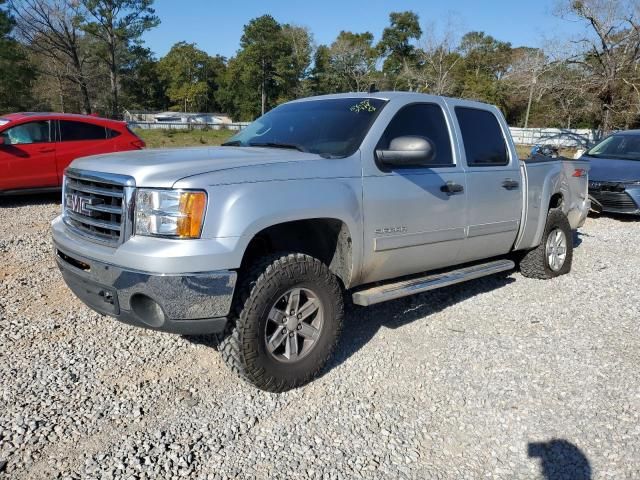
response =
{"points": [[501, 377]]}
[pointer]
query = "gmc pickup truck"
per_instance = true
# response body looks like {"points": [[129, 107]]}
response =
{"points": [[369, 197]]}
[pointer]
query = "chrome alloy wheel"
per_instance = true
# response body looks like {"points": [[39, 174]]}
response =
{"points": [[556, 249], [294, 325]]}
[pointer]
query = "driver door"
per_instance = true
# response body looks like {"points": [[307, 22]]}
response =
{"points": [[411, 223], [28, 156]]}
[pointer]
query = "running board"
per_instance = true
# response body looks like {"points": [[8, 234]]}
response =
{"points": [[391, 291]]}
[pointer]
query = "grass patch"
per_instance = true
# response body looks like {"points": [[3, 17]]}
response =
{"points": [[161, 138]]}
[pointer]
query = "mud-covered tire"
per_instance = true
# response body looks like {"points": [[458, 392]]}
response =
{"points": [[535, 263], [244, 347]]}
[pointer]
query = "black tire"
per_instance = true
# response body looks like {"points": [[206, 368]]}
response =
{"points": [[535, 263], [244, 347]]}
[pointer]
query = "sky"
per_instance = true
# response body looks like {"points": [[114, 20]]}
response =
{"points": [[216, 26]]}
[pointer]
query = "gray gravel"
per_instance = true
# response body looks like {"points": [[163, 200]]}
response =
{"points": [[503, 377]]}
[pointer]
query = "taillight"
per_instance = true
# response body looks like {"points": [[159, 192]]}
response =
{"points": [[138, 143]]}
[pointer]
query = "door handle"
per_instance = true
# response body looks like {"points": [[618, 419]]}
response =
{"points": [[451, 188], [510, 184], [46, 150]]}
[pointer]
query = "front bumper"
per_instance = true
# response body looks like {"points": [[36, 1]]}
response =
{"points": [[615, 197], [187, 303]]}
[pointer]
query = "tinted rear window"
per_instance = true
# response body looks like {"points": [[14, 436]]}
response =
{"points": [[482, 136], [73, 131]]}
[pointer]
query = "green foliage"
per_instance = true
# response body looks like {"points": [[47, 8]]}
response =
{"points": [[142, 86], [17, 73], [191, 77], [117, 25], [268, 69], [353, 61], [395, 43], [89, 56]]}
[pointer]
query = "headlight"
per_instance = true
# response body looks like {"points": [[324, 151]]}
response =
{"points": [[170, 213]]}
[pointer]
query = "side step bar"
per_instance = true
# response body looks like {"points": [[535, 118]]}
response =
{"points": [[391, 291]]}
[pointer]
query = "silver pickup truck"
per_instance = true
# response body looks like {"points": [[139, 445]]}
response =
{"points": [[367, 196]]}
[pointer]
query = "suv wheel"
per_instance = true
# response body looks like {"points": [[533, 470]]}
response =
{"points": [[288, 321]]}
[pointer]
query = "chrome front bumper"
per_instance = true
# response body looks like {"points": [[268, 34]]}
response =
{"points": [[188, 303]]}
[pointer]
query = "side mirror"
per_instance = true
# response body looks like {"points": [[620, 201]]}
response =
{"points": [[408, 151]]}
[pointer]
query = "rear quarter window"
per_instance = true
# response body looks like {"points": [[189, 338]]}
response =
{"points": [[71, 131], [482, 136]]}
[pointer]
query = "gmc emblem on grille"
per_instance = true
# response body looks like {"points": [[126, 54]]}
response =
{"points": [[78, 204]]}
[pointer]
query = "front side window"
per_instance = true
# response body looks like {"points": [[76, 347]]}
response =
{"points": [[482, 136], [26, 133], [421, 120], [71, 131], [330, 128], [626, 147]]}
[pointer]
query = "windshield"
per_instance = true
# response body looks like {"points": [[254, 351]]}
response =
{"points": [[331, 128], [626, 147]]}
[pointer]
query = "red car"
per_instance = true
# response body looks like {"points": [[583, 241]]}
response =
{"points": [[35, 148]]}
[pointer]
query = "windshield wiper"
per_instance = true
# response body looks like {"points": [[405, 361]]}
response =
{"points": [[233, 143], [291, 146]]}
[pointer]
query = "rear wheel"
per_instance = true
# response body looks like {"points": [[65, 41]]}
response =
{"points": [[554, 255], [289, 318]]}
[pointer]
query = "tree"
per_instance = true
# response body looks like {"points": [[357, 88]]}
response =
{"points": [[142, 86], [609, 55], [486, 61], [116, 24], [17, 72], [191, 76], [269, 68], [395, 43], [262, 44], [321, 79], [353, 60], [527, 72], [435, 63], [50, 28]]}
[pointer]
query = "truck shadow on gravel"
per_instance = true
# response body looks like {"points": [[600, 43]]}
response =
{"points": [[16, 201], [560, 460], [362, 323]]}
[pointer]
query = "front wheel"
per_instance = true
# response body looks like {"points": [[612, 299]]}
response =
{"points": [[290, 312], [554, 255]]}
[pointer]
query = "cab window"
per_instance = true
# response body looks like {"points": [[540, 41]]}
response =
{"points": [[71, 131], [422, 120], [482, 137], [26, 133]]}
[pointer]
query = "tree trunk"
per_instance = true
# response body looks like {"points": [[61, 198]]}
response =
{"points": [[113, 76], [263, 93], [526, 117], [61, 93], [82, 83]]}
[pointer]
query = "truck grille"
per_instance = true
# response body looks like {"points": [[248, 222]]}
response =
{"points": [[620, 201], [96, 207]]}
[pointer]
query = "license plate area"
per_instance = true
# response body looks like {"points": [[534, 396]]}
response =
{"points": [[102, 299]]}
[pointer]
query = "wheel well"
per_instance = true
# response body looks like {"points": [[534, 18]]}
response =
{"points": [[326, 239], [555, 201]]}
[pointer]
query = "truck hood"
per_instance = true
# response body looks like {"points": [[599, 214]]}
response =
{"points": [[613, 170], [164, 167]]}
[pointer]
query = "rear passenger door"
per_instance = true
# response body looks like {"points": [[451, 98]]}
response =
{"points": [[79, 139], [494, 187]]}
